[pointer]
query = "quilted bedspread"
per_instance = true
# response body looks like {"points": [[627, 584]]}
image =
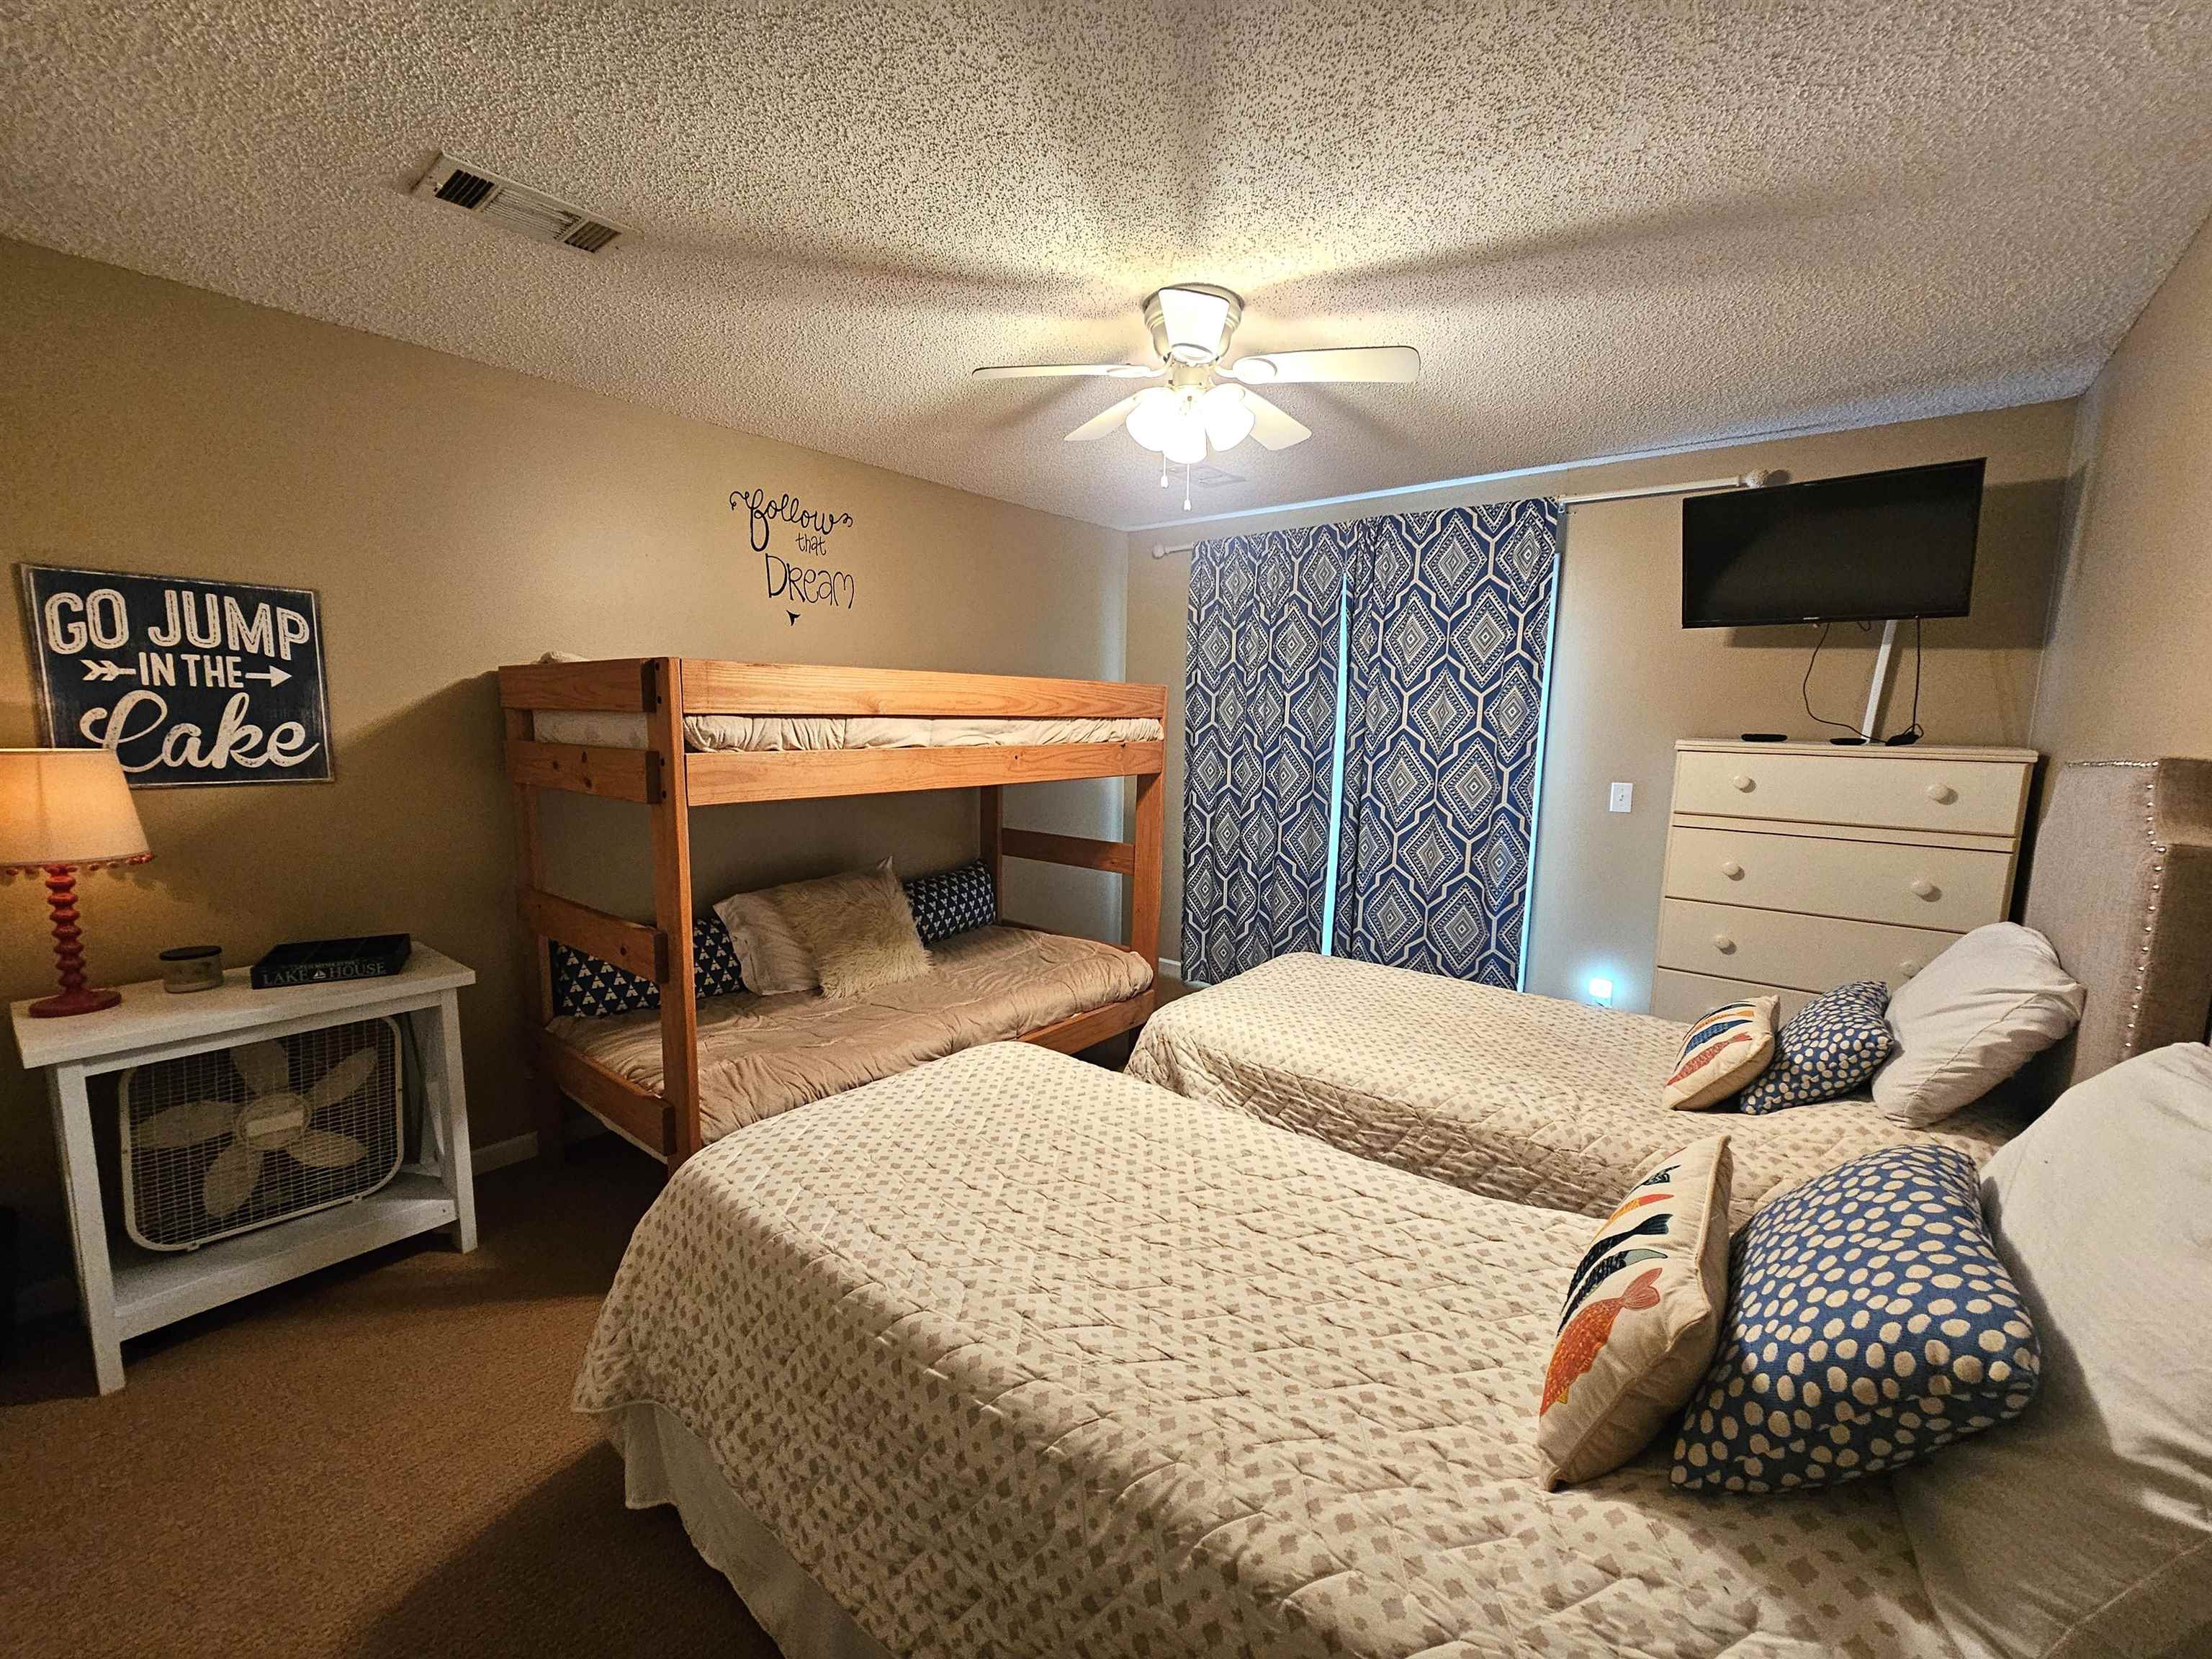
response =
{"points": [[1504, 1094], [1019, 1356]]}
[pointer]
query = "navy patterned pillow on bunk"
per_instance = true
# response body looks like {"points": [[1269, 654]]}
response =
{"points": [[952, 900], [583, 984], [714, 969]]}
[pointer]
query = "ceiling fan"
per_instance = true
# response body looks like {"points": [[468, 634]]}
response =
{"points": [[1208, 405]]}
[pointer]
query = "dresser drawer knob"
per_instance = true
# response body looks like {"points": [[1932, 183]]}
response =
{"points": [[1942, 793], [1925, 888], [1724, 944], [1731, 870], [1742, 783]]}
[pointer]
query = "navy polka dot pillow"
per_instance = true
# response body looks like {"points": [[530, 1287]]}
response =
{"points": [[1826, 1048], [1870, 1321], [585, 985], [952, 900]]}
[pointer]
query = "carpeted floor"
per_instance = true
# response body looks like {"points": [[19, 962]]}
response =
{"points": [[376, 1461]]}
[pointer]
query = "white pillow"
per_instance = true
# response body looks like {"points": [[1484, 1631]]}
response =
{"points": [[1971, 1018], [2085, 1528], [772, 958]]}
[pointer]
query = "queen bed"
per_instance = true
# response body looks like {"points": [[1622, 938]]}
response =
{"points": [[1012, 1355], [1528, 1097]]}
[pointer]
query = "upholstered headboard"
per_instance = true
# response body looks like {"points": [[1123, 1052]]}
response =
{"points": [[2120, 880]]}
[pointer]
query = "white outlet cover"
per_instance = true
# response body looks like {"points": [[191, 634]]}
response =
{"points": [[1622, 799]]}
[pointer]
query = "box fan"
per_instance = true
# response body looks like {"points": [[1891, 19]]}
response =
{"points": [[231, 1139]]}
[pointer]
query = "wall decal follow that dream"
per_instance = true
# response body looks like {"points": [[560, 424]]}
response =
{"points": [[790, 583]]}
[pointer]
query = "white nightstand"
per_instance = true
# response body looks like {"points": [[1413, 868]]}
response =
{"points": [[127, 1291]]}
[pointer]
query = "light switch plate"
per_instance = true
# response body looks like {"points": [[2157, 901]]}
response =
{"points": [[1622, 800]]}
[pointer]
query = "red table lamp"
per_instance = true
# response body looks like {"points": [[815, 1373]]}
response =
{"points": [[63, 811]]}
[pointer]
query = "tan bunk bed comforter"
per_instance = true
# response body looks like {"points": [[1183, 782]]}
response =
{"points": [[762, 1056], [1499, 1092], [1014, 1355]]}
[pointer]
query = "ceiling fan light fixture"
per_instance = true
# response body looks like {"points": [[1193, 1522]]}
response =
{"points": [[1227, 418], [1152, 416], [1186, 445]]}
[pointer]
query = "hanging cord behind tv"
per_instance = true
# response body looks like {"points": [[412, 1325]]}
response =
{"points": [[1805, 691], [1912, 733]]}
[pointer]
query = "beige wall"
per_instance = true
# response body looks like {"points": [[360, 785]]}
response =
{"points": [[1628, 680], [2130, 667], [454, 517]]}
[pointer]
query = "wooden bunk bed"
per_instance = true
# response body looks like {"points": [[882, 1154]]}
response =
{"points": [[668, 779]]}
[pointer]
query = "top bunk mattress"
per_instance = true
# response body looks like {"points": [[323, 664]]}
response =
{"points": [[760, 1055], [1500, 1092], [1015, 1355], [769, 734]]}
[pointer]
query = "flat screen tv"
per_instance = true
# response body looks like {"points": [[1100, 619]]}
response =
{"points": [[1868, 547]]}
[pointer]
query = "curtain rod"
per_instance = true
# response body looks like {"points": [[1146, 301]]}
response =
{"points": [[1758, 479]]}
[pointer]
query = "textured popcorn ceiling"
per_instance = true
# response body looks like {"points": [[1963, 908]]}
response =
{"points": [[1605, 227]]}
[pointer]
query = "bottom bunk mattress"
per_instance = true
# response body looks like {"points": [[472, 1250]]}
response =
{"points": [[762, 1056], [1500, 1092], [1012, 1355]]}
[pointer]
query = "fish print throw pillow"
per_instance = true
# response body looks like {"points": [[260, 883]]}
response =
{"points": [[1724, 1050], [1640, 1320]]}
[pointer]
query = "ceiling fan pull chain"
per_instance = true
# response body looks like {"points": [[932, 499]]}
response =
{"points": [[1164, 471], [1186, 486]]}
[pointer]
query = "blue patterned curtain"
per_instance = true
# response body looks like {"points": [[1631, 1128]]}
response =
{"points": [[1450, 630], [1259, 724]]}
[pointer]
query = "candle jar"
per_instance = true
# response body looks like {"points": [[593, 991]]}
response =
{"points": [[191, 968]]}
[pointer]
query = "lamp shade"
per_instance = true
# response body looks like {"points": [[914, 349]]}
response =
{"points": [[66, 806]]}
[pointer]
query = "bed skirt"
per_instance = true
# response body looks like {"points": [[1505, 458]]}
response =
{"points": [[664, 1462]]}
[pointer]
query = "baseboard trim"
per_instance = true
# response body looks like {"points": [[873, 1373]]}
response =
{"points": [[1172, 967], [498, 1154]]}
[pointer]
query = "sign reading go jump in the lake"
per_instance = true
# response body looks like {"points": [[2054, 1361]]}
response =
{"points": [[188, 682]]}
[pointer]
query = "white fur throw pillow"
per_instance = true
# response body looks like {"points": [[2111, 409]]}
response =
{"points": [[859, 928]]}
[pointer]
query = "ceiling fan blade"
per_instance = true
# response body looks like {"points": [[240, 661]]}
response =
{"points": [[1401, 365], [1271, 426], [1026, 371], [1192, 319], [1105, 420]]}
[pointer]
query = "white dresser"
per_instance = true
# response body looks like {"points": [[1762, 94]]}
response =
{"points": [[1792, 868]]}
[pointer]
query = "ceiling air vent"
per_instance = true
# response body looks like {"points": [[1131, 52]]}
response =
{"points": [[1206, 476], [527, 212]]}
